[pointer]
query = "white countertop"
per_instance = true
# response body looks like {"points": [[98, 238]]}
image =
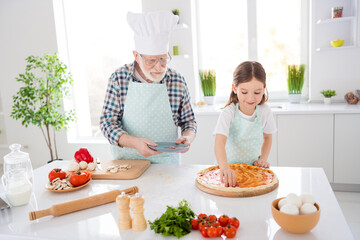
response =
{"points": [[163, 185], [288, 108]]}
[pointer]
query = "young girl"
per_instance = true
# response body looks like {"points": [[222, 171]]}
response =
{"points": [[245, 126]]}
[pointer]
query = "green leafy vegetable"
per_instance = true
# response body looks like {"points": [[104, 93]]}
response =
{"points": [[175, 221]]}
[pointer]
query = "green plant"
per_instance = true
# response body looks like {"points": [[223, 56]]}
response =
{"points": [[328, 93], [38, 102], [208, 82], [176, 11], [295, 78]]}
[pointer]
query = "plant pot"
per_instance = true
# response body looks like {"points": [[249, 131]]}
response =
{"points": [[327, 100], [209, 100], [294, 98]]}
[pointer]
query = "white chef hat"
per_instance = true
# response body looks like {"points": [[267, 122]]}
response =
{"points": [[152, 31]]}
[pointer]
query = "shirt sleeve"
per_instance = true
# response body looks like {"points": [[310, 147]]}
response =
{"points": [[269, 125], [224, 121], [112, 112], [186, 113]]}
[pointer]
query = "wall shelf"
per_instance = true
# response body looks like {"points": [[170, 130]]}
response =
{"points": [[334, 20], [335, 48]]}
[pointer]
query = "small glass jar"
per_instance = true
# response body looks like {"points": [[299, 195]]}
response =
{"points": [[337, 12]]}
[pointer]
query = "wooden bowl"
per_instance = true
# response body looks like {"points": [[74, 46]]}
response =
{"points": [[295, 223]]}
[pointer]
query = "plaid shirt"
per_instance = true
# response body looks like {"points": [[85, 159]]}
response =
{"points": [[114, 103]]}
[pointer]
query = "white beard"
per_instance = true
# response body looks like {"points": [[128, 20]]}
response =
{"points": [[149, 76]]}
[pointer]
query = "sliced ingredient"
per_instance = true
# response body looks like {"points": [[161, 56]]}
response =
{"points": [[83, 155], [59, 184], [56, 173], [118, 168], [175, 221]]}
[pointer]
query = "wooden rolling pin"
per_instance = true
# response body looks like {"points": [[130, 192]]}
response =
{"points": [[80, 204]]}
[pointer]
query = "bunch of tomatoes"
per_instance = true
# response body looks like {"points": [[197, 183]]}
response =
{"points": [[211, 226]]}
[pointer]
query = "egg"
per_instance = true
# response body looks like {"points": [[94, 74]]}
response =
{"points": [[83, 165], [307, 208], [307, 198], [292, 198], [290, 209], [281, 203]]}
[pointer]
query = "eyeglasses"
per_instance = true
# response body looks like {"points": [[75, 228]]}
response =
{"points": [[153, 61]]}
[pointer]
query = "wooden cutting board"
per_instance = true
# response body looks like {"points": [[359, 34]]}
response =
{"points": [[138, 167]]}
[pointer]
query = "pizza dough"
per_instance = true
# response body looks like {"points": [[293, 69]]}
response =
{"points": [[252, 181]]}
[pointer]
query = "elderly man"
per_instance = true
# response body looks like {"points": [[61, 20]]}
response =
{"points": [[146, 101]]}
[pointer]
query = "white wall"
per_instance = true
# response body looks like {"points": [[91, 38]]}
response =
{"points": [[27, 28]]}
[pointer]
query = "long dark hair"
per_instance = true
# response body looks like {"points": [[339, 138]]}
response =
{"points": [[244, 73]]}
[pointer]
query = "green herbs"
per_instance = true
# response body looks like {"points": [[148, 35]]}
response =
{"points": [[175, 221], [208, 82], [328, 93], [175, 11], [295, 78]]}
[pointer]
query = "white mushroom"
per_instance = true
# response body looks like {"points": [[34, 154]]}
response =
{"points": [[91, 166], [83, 165], [73, 167]]}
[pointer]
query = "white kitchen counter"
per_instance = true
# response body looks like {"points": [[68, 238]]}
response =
{"points": [[163, 185], [288, 108]]}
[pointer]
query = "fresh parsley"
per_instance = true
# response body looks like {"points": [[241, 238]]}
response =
{"points": [[175, 221]]}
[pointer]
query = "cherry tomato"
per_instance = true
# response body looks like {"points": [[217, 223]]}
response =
{"points": [[79, 178], [194, 223], [223, 220], [212, 218], [56, 173], [203, 232], [211, 232], [219, 231], [216, 223], [202, 216], [234, 222], [230, 231], [202, 225]]}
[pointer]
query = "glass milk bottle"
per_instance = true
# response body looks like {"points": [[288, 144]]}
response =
{"points": [[17, 187], [18, 160]]}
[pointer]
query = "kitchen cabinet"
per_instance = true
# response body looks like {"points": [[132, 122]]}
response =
{"points": [[346, 148], [306, 140], [328, 28]]}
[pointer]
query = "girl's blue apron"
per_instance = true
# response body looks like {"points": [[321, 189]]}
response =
{"points": [[245, 139], [147, 114]]}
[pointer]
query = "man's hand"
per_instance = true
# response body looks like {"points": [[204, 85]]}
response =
{"points": [[140, 144], [187, 138]]}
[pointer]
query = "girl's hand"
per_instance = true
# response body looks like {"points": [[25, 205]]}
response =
{"points": [[228, 177], [262, 163]]}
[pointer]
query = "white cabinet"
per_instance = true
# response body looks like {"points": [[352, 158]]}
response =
{"points": [[3, 141], [347, 148], [328, 28], [306, 141]]}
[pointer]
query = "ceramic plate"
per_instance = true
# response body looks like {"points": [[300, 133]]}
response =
{"points": [[169, 147], [69, 189]]}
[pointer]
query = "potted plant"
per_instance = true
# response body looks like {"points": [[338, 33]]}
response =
{"points": [[295, 81], [176, 11], [208, 85], [327, 95], [46, 81]]}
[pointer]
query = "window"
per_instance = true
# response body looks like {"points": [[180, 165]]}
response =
{"points": [[96, 42], [270, 32]]}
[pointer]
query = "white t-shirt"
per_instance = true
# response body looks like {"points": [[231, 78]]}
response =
{"points": [[227, 115]]}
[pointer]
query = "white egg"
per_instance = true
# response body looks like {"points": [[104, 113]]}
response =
{"points": [[307, 208], [83, 165], [307, 198], [292, 198], [290, 209], [281, 203]]}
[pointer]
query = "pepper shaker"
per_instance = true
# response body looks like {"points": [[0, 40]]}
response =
{"points": [[123, 206], [137, 207]]}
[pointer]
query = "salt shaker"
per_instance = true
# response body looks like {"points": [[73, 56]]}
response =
{"points": [[123, 206], [137, 207]]}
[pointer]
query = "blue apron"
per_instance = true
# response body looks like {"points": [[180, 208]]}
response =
{"points": [[147, 114], [245, 139]]}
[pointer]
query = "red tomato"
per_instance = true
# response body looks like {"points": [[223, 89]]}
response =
{"points": [[79, 178], [202, 216], [211, 232], [56, 173], [83, 155], [219, 230], [203, 225], [217, 223], [203, 232], [212, 218], [234, 222], [223, 220], [230, 231], [194, 223]]}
